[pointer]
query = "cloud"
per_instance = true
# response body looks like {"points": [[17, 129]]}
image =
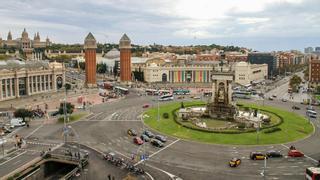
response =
{"points": [[165, 21]]}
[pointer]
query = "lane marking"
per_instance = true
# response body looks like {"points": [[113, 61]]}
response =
{"points": [[149, 175], [13, 157], [34, 131], [16, 162], [304, 155], [157, 152]]}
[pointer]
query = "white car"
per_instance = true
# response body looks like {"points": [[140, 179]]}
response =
{"points": [[196, 97]]}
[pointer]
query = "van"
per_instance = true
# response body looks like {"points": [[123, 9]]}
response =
{"points": [[16, 122]]}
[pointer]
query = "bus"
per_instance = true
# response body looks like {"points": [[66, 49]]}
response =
{"points": [[121, 90], [313, 173], [241, 94], [311, 113], [206, 94], [248, 86], [181, 91], [163, 92], [167, 97], [151, 92]]}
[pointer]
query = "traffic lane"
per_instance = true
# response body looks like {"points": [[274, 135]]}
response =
{"points": [[112, 136], [15, 163]]}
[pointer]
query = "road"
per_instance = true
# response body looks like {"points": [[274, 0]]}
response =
{"points": [[105, 130]]}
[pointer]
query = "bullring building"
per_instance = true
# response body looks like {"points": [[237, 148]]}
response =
{"points": [[20, 79]]}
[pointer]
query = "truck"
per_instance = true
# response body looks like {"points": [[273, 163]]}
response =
{"points": [[17, 122]]}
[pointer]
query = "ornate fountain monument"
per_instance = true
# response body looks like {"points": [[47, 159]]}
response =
{"points": [[220, 106]]}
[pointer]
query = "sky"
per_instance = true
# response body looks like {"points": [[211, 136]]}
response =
{"points": [[263, 25]]}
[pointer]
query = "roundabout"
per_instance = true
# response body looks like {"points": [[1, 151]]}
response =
{"points": [[287, 127]]}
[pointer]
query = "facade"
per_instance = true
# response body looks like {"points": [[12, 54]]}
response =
{"points": [[264, 58], [125, 58], [314, 71], [24, 42], [172, 73], [245, 73], [19, 79], [90, 47], [308, 50]]}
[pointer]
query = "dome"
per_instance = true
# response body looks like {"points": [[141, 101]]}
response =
{"points": [[113, 53], [242, 64], [24, 34]]}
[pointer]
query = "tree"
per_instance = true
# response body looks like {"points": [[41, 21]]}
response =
{"points": [[67, 86], [182, 105], [318, 90], [69, 107], [295, 80], [23, 113]]}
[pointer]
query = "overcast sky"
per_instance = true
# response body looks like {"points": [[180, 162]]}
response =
{"points": [[263, 25]]}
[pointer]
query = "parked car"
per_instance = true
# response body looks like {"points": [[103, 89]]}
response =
{"points": [[196, 97], [132, 132], [274, 96], [56, 113], [234, 162], [6, 129], [257, 156], [156, 143], [295, 107], [145, 138], [295, 153], [138, 140], [310, 108], [17, 122], [161, 138], [148, 133], [145, 106], [273, 153], [270, 98], [284, 100]]}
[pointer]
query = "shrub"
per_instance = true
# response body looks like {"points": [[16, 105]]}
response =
{"points": [[241, 125], [165, 115], [271, 130]]}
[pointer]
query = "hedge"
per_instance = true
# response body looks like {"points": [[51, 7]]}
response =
{"points": [[275, 129], [173, 112]]}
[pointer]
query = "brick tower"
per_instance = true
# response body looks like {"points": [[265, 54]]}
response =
{"points": [[125, 59], [90, 47]]}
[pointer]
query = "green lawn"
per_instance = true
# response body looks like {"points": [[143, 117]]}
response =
{"points": [[73, 117], [294, 127], [318, 97]]}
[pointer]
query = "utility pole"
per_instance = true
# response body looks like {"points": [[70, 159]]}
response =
{"points": [[65, 116]]}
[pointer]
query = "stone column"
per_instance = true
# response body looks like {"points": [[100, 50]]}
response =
{"points": [[49, 81], [37, 89], [28, 85], [5, 88], [10, 87], [1, 89], [229, 92], [54, 82], [213, 90], [32, 89], [16, 82]]}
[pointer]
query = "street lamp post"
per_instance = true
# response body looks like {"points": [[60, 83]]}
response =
{"points": [[258, 129]]}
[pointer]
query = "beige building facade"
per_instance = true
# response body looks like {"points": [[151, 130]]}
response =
{"points": [[20, 79], [245, 73]]}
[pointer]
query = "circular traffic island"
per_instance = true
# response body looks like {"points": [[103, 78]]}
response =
{"points": [[282, 126]]}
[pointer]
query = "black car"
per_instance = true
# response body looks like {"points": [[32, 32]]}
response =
{"points": [[161, 138], [145, 138], [156, 143], [257, 156], [55, 113], [148, 133], [295, 107], [273, 153]]}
